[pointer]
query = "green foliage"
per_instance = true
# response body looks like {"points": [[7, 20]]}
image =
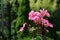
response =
{"points": [[21, 13], [47, 4]]}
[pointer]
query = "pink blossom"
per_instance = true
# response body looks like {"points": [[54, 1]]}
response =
{"points": [[44, 13], [38, 14], [22, 28], [31, 15], [45, 22], [36, 20], [50, 25], [38, 17], [35, 16], [47, 14]]}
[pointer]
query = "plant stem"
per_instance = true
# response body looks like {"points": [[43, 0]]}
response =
{"points": [[43, 37], [41, 33]]}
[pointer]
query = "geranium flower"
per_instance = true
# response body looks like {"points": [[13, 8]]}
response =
{"points": [[38, 17], [44, 13], [35, 16], [45, 22], [36, 20], [50, 25], [31, 15]]}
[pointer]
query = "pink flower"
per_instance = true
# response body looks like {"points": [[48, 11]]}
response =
{"points": [[44, 13], [50, 25], [35, 16], [45, 22], [36, 20], [38, 17], [22, 28], [31, 15], [47, 14], [38, 14]]}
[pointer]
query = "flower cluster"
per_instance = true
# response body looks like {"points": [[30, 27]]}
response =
{"points": [[38, 18]]}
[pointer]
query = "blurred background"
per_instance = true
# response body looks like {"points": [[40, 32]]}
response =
{"points": [[13, 13]]}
